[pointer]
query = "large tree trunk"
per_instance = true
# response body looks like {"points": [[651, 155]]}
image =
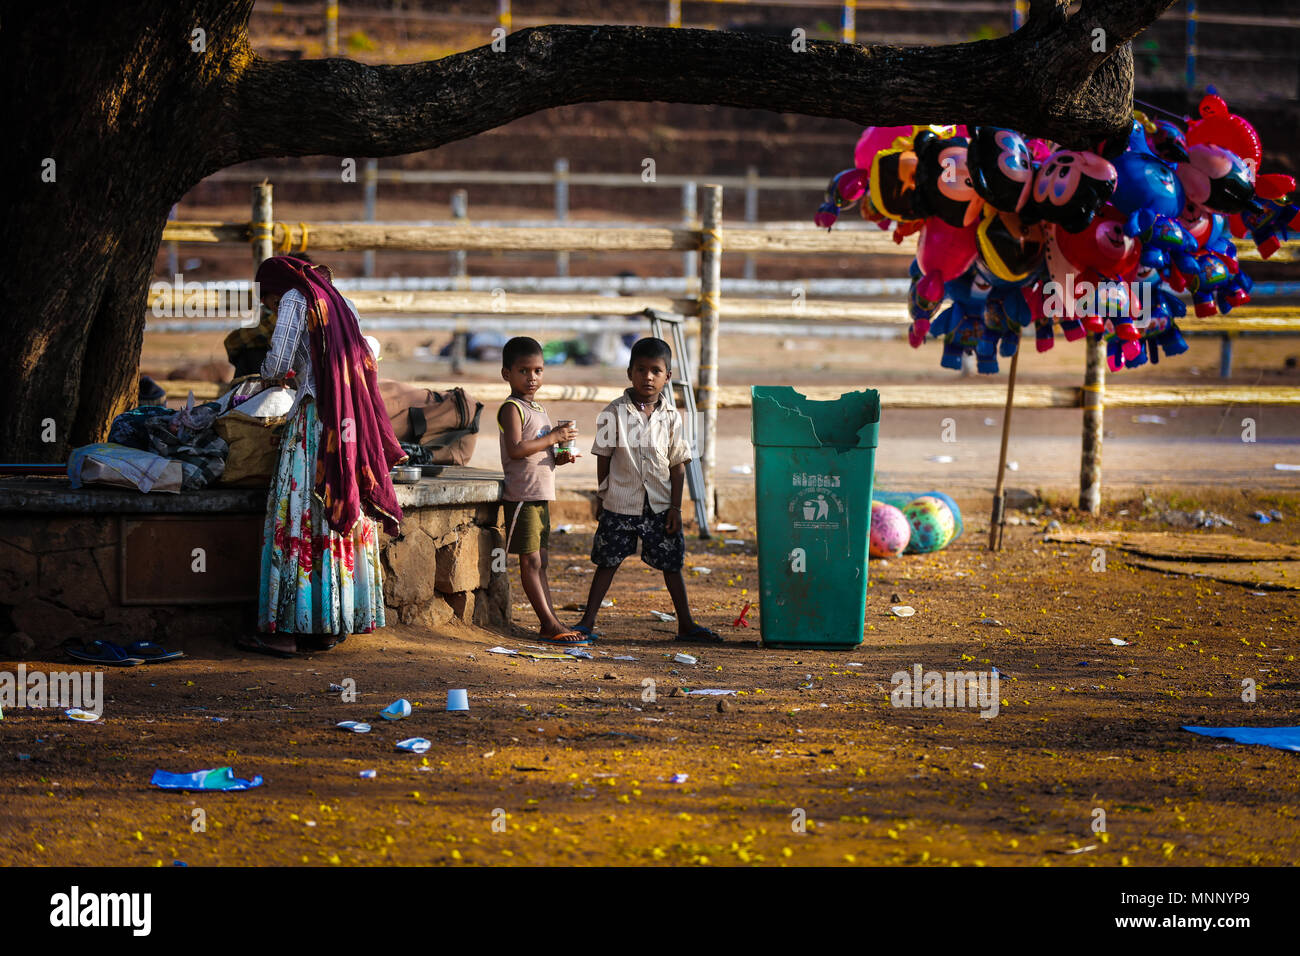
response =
{"points": [[114, 94], [133, 118]]}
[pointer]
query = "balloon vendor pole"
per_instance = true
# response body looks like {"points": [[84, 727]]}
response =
{"points": [[1094, 403], [997, 520]]}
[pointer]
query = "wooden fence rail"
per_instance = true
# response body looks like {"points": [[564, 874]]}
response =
{"points": [[711, 239]]}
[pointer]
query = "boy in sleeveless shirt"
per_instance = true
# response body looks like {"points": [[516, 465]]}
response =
{"points": [[528, 440]]}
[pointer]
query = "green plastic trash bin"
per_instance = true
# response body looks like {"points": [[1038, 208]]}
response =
{"points": [[813, 468]]}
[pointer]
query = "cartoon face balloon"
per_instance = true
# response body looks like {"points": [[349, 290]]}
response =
{"points": [[943, 179], [893, 185], [1000, 167], [1070, 187], [1010, 248]]}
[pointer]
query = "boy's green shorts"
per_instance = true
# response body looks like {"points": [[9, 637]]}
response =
{"points": [[532, 524]]}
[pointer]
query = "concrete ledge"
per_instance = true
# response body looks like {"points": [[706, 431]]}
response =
{"points": [[65, 567], [455, 486]]}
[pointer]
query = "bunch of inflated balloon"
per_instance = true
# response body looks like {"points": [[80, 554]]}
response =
{"points": [[1015, 233]]}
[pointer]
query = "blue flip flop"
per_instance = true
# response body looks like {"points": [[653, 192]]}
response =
{"points": [[102, 652], [152, 653], [590, 633]]}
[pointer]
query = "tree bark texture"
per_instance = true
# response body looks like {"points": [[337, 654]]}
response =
{"points": [[134, 117]]}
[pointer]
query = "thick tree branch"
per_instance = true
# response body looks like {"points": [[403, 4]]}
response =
{"points": [[1045, 82]]}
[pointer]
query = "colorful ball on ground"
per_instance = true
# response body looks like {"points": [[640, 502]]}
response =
{"points": [[932, 524], [890, 531]]}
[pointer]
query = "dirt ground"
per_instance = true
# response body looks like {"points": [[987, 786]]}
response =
{"points": [[578, 763]]}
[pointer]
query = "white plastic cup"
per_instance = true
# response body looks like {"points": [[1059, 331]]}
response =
{"points": [[457, 700]]}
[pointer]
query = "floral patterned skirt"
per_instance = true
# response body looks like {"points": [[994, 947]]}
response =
{"points": [[314, 580]]}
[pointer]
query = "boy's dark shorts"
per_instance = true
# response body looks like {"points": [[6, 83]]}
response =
{"points": [[532, 526], [617, 534]]}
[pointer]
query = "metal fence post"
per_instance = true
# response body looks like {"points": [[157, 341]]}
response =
{"points": [[751, 215], [691, 220], [561, 210], [331, 27], [370, 180], [459, 271]]}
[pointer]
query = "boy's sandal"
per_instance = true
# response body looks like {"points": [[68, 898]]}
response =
{"points": [[590, 633], [574, 638], [102, 652], [701, 635]]}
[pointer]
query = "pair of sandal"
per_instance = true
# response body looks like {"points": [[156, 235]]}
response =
{"points": [[114, 655], [320, 642]]}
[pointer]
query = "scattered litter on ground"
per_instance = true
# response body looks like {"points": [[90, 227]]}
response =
{"points": [[1282, 466], [501, 650], [709, 692], [580, 569], [941, 459], [356, 726], [679, 778], [989, 421], [579, 653], [853, 664], [1120, 642], [743, 619], [415, 745], [458, 699], [84, 716], [1200, 518], [336, 688], [1013, 466], [660, 615], [978, 766], [740, 541], [222, 778], [368, 774], [684, 659], [742, 469], [991, 621], [565, 529], [723, 526], [902, 610], [399, 709], [1149, 420], [543, 656], [701, 570], [622, 657]]}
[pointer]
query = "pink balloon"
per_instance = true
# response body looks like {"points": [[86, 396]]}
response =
{"points": [[873, 140], [943, 252]]}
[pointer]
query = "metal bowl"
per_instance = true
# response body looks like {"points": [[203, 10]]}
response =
{"points": [[405, 474]]}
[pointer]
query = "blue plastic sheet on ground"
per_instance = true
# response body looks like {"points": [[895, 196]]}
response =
{"points": [[1283, 738], [223, 778]]}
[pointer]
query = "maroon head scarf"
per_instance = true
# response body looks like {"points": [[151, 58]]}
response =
{"points": [[357, 444]]}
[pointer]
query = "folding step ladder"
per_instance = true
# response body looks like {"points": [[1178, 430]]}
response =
{"points": [[681, 378]]}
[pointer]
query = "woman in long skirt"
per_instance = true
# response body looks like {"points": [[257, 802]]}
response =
{"points": [[320, 573]]}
